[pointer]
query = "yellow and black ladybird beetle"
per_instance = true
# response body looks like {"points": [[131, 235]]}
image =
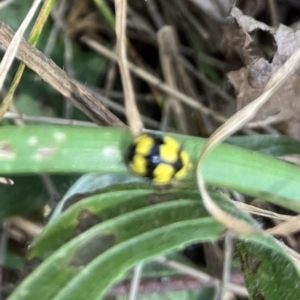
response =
{"points": [[159, 158]]}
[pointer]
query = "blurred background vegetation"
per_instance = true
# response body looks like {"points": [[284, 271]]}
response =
{"points": [[198, 27]]}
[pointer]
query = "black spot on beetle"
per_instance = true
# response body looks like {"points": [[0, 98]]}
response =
{"points": [[130, 153], [178, 164], [157, 138]]}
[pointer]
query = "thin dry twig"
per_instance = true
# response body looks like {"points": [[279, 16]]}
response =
{"points": [[168, 52], [273, 13], [31, 229], [272, 120], [217, 294], [227, 263], [47, 120], [260, 204], [239, 290], [134, 287], [286, 228], [133, 117], [151, 79], [189, 17], [58, 79], [261, 212], [57, 13], [114, 106], [110, 78], [170, 284], [154, 13], [68, 66], [12, 49], [71, 122], [202, 78]]}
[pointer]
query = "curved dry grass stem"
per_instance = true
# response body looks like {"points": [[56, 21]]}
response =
{"points": [[261, 212], [133, 117], [286, 228], [232, 223], [233, 124]]}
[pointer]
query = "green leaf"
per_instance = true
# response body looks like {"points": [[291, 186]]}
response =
{"points": [[269, 144], [88, 67], [268, 271], [107, 205], [85, 214], [115, 246], [88, 265], [93, 182], [26, 104], [58, 149]]}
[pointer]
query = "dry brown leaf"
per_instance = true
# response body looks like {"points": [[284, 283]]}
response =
{"points": [[263, 51], [233, 124]]}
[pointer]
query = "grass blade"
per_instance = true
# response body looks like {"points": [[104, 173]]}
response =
{"points": [[58, 149]]}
